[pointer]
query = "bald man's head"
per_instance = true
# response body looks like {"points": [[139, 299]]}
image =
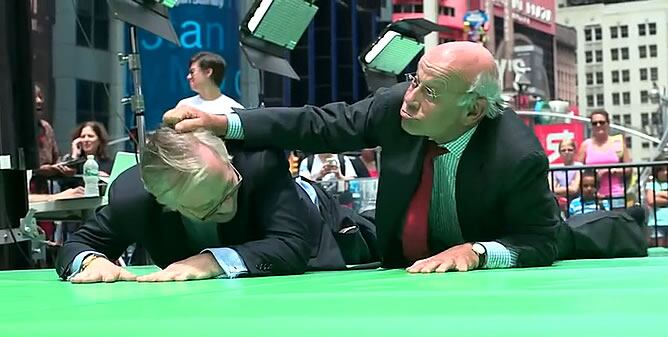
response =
{"points": [[454, 88]]}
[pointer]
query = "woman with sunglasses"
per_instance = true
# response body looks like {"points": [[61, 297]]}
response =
{"points": [[602, 149]]}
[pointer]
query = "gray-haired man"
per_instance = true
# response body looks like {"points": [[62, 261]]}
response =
{"points": [[202, 213]]}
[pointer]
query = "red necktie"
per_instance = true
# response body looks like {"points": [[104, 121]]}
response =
{"points": [[414, 237]]}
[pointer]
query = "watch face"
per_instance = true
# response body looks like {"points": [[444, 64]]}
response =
{"points": [[478, 248]]}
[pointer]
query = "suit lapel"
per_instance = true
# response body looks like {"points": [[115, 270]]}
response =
{"points": [[472, 180]]}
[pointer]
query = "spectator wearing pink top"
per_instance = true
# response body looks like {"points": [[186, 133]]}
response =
{"points": [[603, 149]]}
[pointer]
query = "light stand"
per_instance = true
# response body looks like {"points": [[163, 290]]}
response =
{"points": [[396, 46], [270, 30], [151, 15]]}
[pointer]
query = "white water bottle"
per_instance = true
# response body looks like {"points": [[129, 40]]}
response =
{"points": [[91, 177]]}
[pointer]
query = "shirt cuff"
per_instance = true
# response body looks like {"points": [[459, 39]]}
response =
{"points": [[229, 260], [498, 256], [234, 128], [75, 267]]}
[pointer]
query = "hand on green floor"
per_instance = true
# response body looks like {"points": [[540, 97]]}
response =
{"points": [[459, 258], [198, 267], [102, 270]]}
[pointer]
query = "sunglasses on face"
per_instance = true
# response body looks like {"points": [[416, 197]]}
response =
{"points": [[225, 196], [599, 123]]}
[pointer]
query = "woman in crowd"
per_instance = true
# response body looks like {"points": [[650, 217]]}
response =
{"points": [[601, 149], [365, 164], [566, 184], [89, 138]]}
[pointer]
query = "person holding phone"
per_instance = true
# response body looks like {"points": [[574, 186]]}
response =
{"points": [[89, 138], [327, 167]]}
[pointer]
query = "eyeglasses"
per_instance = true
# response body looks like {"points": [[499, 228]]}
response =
{"points": [[429, 93], [599, 123], [226, 196]]}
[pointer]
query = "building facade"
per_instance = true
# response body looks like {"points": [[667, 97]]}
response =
{"points": [[622, 50], [566, 72]]}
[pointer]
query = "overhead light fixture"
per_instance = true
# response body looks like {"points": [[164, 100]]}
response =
{"points": [[397, 45]]}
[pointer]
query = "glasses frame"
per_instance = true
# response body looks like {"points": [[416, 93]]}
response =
{"points": [[229, 193], [430, 94]]}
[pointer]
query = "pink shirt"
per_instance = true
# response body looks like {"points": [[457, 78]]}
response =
{"points": [[601, 156]]}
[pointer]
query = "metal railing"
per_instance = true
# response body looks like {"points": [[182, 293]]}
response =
{"points": [[633, 191]]}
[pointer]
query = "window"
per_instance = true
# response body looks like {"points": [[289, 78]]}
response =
{"points": [[587, 34], [652, 28], [643, 74], [629, 142], [644, 119], [599, 56], [644, 96], [447, 11], [652, 51], [615, 76], [598, 34], [615, 119], [627, 119], [590, 78], [656, 119], [626, 77], [654, 73], [613, 32], [92, 102], [625, 53], [624, 31], [92, 30], [642, 51], [588, 58], [599, 100], [615, 98], [626, 97], [645, 145], [599, 77], [590, 100], [614, 54], [641, 30]]}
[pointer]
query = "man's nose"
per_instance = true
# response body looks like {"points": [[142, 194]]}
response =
{"points": [[411, 99]]}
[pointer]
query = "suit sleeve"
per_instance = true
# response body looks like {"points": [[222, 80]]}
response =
{"points": [[283, 220], [531, 213], [96, 234], [335, 127]]}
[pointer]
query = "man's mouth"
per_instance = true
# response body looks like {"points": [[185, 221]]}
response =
{"points": [[405, 115]]}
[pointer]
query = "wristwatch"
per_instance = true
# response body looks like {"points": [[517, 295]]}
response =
{"points": [[88, 260], [480, 250]]}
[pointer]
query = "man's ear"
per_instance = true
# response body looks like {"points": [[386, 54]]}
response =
{"points": [[209, 72], [477, 112]]}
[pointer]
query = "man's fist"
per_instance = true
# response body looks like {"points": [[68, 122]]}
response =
{"points": [[185, 119]]}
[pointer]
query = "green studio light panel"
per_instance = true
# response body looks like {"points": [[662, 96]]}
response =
{"points": [[281, 21], [392, 53]]}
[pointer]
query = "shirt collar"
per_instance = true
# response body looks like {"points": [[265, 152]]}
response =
{"points": [[457, 146]]}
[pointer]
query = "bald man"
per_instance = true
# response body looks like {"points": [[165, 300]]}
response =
{"points": [[462, 181]]}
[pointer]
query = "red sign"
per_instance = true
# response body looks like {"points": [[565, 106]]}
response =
{"points": [[551, 134], [536, 14]]}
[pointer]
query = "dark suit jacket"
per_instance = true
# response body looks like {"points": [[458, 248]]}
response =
{"points": [[502, 192], [273, 230]]}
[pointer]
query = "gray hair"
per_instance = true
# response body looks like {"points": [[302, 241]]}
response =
{"points": [[485, 86], [172, 158]]}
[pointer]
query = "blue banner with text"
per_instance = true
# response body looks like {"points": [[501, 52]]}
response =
{"points": [[210, 25]]}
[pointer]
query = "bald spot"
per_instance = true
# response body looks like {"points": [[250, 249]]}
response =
{"points": [[458, 63]]}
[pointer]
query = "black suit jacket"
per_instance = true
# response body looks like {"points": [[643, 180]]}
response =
{"points": [[501, 190], [273, 230]]}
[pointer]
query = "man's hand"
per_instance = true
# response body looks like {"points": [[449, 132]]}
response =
{"points": [[186, 119], [102, 270], [198, 267], [460, 258]]}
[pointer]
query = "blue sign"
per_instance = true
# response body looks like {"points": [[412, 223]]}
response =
{"points": [[211, 27]]}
